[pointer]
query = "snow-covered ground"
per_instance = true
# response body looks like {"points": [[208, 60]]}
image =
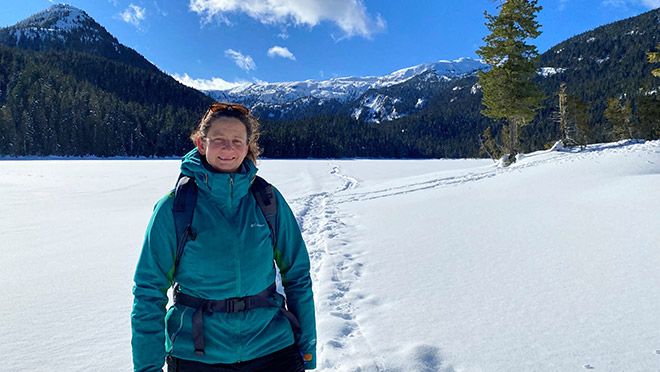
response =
{"points": [[552, 264]]}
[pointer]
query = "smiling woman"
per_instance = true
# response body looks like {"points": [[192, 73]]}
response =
{"points": [[227, 134], [227, 315]]}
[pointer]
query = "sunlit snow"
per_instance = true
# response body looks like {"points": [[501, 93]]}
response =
{"points": [[418, 265]]}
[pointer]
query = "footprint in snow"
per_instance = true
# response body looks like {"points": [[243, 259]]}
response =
{"points": [[657, 351], [588, 366]]}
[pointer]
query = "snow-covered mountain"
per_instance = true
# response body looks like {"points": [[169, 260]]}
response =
{"points": [[343, 89], [65, 27], [362, 96], [57, 20]]}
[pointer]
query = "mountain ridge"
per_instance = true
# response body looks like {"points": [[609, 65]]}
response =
{"points": [[65, 27], [279, 98]]}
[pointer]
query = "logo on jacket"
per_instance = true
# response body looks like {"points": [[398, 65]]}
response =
{"points": [[257, 225]]}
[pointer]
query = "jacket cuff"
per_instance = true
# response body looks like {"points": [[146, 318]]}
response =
{"points": [[310, 360]]}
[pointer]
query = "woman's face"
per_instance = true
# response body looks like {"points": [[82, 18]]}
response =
{"points": [[225, 145]]}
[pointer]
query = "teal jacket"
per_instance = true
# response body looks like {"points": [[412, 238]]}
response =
{"points": [[231, 256]]}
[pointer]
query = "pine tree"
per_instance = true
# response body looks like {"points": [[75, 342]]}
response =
{"points": [[620, 114], [489, 144], [649, 116], [508, 90], [578, 119], [649, 105], [654, 57], [561, 116]]}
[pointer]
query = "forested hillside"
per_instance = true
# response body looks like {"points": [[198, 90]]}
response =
{"points": [[72, 103]]}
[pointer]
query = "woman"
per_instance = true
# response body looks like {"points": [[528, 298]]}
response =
{"points": [[229, 258]]}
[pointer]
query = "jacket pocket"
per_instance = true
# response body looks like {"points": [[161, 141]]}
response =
{"points": [[174, 323]]}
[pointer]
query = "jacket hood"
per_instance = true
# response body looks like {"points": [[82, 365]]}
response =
{"points": [[218, 184]]}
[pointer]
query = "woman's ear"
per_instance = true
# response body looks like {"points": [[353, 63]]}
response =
{"points": [[200, 146]]}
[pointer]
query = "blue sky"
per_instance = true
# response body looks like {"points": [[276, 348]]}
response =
{"points": [[217, 43]]}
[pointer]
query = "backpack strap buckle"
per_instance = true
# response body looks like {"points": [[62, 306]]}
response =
{"points": [[237, 304]]}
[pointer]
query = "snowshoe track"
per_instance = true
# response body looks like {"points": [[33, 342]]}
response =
{"points": [[335, 270]]}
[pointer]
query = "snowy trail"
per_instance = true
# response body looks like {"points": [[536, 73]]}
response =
{"points": [[335, 272], [439, 180]]}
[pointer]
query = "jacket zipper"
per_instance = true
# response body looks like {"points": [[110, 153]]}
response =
{"points": [[237, 261], [231, 190]]}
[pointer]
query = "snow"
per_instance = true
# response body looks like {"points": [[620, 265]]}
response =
{"points": [[549, 71], [56, 18], [343, 89], [548, 265], [378, 107], [57, 22], [602, 60]]}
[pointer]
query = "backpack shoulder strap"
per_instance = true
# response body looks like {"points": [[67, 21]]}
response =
{"points": [[267, 201], [185, 198]]}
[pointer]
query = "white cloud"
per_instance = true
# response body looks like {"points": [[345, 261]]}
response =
{"points": [[615, 3], [349, 15], [278, 51], [651, 4], [203, 84], [284, 34], [133, 15], [244, 62], [159, 10]]}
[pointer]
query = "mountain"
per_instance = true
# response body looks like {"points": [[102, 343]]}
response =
{"points": [[311, 97], [64, 27], [604, 63], [69, 88], [342, 89]]}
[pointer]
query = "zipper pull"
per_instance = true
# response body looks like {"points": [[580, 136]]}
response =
{"points": [[231, 188]]}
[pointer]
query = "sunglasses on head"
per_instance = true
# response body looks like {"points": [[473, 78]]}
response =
{"points": [[227, 107]]}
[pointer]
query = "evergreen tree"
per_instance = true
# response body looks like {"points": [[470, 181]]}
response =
{"points": [[489, 145], [561, 116], [578, 119], [620, 115], [509, 91], [654, 57], [573, 117]]}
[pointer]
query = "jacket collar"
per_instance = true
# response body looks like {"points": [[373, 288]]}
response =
{"points": [[222, 186]]}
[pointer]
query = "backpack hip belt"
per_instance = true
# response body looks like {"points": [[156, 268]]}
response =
{"points": [[264, 298]]}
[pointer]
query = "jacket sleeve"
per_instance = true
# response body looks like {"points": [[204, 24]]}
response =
{"points": [[293, 261], [153, 277]]}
